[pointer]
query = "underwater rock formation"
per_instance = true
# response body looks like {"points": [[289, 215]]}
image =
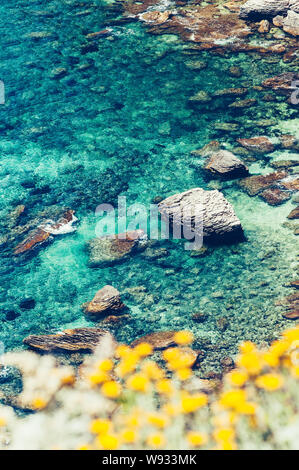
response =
{"points": [[226, 164], [219, 220], [113, 248], [78, 339], [106, 301], [254, 185], [260, 144], [159, 340]]}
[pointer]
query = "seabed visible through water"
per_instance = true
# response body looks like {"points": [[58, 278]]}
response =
{"points": [[116, 121]]}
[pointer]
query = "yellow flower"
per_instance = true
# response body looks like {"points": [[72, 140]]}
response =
{"points": [[129, 436], [232, 398], [191, 403], [183, 337], [224, 434], [105, 366], [122, 350], [171, 354], [251, 361], [196, 439], [107, 441], [291, 335], [269, 382], [247, 347], [133, 420], [2, 422], [84, 447], [100, 426], [111, 389], [182, 360], [237, 378], [143, 349], [38, 403], [152, 370], [128, 364], [98, 378], [156, 440], [165, 387], [183, 374], [158, 420], [246, 408], [138, 382], [68, 379]]}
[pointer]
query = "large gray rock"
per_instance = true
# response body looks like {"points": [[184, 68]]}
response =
{"points": [[290, 24], [259, 9], [219, 221], [225, 164]]}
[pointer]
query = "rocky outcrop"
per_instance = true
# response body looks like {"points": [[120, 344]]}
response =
{"points": [[291, 305], [78, 339], [259, 144], [275, 196], [290, 24], [225, 164], [219, 221], [259, 9], [46, 230], [105, 302], [113, 248]]}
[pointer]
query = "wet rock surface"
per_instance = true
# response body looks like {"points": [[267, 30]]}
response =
{"points": [[78, 339]]}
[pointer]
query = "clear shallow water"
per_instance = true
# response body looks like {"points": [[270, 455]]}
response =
{"points": [[119, 123]]}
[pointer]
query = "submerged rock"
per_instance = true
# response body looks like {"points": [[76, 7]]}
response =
{"points": [[226, 164], [106, 301], [254, 185], [78, 339], [290, 24], [219, 220], [113, 248], [281, 83], [259, 144], [275, 196], [294, 214], [207, 150]]}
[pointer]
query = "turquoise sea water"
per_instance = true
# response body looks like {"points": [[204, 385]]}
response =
{"points": [[118, 122]]}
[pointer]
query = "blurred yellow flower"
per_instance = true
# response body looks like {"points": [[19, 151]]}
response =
{"points": [[152, 370], [183, 374], [129, 436], [165, 387], [98, 377], [269, 382], [100, 426], [191, 403], [251, 361], [111, 389], [143, 349], [138, 382], [158, 419], [107, 441], [183, 337], [232, 398], [237, 378], [105, 365], [156, 440], [38, 403], [196, 439], [2, 422]]}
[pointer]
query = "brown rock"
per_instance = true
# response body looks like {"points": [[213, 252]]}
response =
{"points": [[231, 92], [225, 164], [294, 214], [157, 17], [278, 21], [78, 339], [159, 340], [106, 301], [258, 145], [264, 26], [113, 320], [279, 164], [199, 317], [36, 238], [99, 34], [253, 185], [291, 183], [240, 104], [275, 196], [292, 315], [227, 364], [222, 323], [281, 83], [294, 284]]}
